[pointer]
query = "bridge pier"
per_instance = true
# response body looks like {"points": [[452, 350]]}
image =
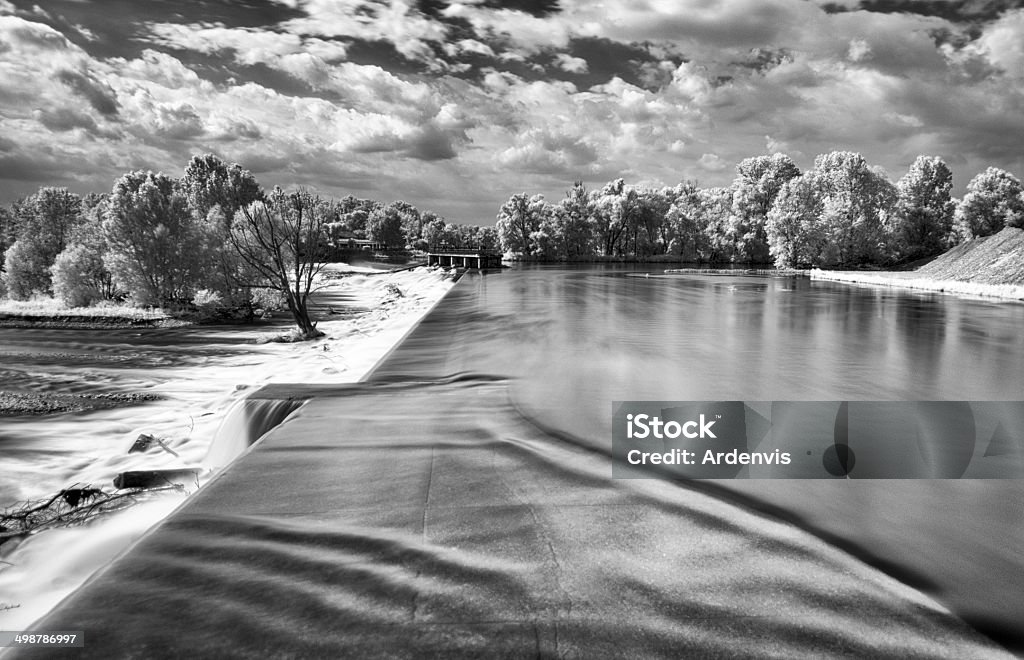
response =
{"points": [[466, 258]]}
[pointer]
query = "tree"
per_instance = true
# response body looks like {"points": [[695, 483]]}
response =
{"points": [[385, 226], [924, 209], [758, 182], [283, 239], [355, 221], [486, 238], [43, 221], [433, 232], [518, 218], [793, 227], [215, 192], [682, 234], [157, 250], [994, 200], [7, 231], [646, 223], [575, 216], [545, 241], [80, 276], [410, 218], [25, 262], [855, 201], [420, 242], [210, 182], [616, 209], [712, 208]]}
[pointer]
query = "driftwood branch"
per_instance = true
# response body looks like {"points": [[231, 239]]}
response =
{"points": [[78, 505]]}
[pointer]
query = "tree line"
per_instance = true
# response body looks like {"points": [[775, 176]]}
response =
{"points": [[842, 212], [213, 237]]}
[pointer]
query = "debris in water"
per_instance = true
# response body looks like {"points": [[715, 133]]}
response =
{"points": [[145, 441], [77, 505], [154, 478]]}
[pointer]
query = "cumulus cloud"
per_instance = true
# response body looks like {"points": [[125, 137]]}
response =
{"points": [[527, 32], [250, 46], [396, 22], [98, 95], [1002, 43], [712, 163], [65, 119], [365, 95], [571, 64]]}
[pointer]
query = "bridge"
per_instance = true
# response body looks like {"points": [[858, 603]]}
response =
{"points": [[479, 258]]}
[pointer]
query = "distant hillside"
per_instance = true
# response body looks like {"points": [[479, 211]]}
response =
{"points": [[996, 259]]}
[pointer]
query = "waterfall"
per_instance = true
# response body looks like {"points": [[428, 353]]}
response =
{"points": [[246, 422]]}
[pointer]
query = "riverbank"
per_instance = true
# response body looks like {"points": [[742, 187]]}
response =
{"points": [[990, 267], [49, 313], [197, 378], [914, 280]]}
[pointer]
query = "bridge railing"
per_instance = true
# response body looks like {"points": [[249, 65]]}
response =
{"points": [[443, 249]]}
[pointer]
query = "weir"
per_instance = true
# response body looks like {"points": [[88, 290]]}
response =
{"points": [[245, 423], [460, 501]]}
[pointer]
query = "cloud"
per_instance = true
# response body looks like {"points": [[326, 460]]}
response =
{"points": [[99, 96], [396, 22], [525, 31], [958, 11], [469, 46], [65, 119], [249, 45], [25, 34], [571, 64], [1002, 44], [712, 163], [404, 99]]}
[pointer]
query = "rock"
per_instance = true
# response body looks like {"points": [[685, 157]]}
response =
{"points": [[142, 443]]}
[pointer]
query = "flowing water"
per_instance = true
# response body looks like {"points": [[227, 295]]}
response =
{"points": [[198, 379]]}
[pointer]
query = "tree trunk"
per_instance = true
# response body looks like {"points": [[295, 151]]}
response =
{"points": [[301, 316]]}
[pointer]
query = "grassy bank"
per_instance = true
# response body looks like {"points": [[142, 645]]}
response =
{"points": [[913, 280], [991, 267], [996, 260], [46, 312]]}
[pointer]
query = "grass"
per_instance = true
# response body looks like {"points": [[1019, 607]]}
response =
{"points": [[48, 308], [910, 280]]}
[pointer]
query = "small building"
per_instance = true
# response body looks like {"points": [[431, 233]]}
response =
{"points": [[448, 257]]}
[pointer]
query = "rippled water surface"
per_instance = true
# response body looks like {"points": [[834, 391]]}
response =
{"points": [[586, 337]]}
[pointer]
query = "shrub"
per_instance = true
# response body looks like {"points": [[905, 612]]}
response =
{"points": [[207, 302], [268, 300], [26, 270], [79, 277]]}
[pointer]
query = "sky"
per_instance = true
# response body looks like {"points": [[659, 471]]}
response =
{"points": [[453, 105]]}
